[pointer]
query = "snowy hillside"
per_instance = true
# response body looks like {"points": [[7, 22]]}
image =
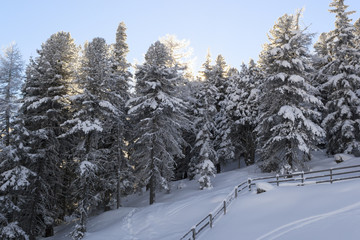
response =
{"points": [[320, 211], [312, 212]]}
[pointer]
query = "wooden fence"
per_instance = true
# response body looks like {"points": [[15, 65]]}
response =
{"points": [[299, 178]]}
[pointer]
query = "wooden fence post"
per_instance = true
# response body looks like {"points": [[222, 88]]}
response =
{"points": [[249, 183], [224, 207], [236, 192], [193, 233], [211, 220], [331, 176], [277, 179], [302, 177]]}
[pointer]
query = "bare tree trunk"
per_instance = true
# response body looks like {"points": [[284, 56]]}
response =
{"points": [[252, 148], [49, 231], [118, 199], [119, 158], [152, 189], [107, 199], [152, 179]]}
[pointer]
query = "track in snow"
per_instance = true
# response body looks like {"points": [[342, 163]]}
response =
{"points": [[305, 221]]}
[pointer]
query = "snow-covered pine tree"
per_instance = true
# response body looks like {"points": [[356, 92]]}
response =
{"points": [[206, 73], [13, 181], [229, 104], [357, 33], [11, 67], [85, 194], [223, 142], [321, 49], [159, 118], [357, 27], [201, 166], [219, 80], [204, 156], [286, 132], [120, 64], [210, 78], [242, 108], [91, 126], [181, 55], [320, 62], [118, 86], [189, 166], [187, 93], [44, 109], [14, 178], [342, 83]]}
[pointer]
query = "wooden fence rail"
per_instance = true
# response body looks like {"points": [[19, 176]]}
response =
{"points": [[321, 176]]}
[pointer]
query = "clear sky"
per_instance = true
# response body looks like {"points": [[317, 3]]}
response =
{"points": [[234, 28]]}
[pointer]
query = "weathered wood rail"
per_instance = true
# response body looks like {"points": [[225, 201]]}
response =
{"points": [[299, 178]]}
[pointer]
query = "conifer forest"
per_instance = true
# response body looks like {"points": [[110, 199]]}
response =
{"points": [[81, 127]]}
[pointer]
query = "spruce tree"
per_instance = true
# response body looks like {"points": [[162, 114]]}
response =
{"points": [[92, 123], [11, 67], [13, 175], [286, 131], [201, 166], [321, 62], [43, 111], [160, 117], [14, 179], [242, 108], [220, 81], [181, 54], [342, 83], [215, 77], [357, 33], [118, 96]]}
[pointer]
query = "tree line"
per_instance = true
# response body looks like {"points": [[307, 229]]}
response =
{"points": [[77, 136]]}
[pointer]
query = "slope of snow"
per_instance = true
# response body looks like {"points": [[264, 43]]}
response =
{"points": [[311, 212], [287, 212], [170, 217]]}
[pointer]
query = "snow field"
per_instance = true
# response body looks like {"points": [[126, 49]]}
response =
{"points": [[320, 211]]}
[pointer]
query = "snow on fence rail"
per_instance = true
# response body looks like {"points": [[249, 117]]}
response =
{"points": [[320, 176]]}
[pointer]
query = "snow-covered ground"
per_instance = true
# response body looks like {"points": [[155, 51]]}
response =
{"points": [[311, 212], [320, 211]]}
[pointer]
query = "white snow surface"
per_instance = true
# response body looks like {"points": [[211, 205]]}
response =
{"points": [[108, 105], [286, 64], [290, 112], [282, 76], [322, 211], [264, 186], [296, 79], [87, 166], [311, 212]]}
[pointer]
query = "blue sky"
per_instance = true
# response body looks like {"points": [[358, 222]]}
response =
{"points": [[234, 28]]}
